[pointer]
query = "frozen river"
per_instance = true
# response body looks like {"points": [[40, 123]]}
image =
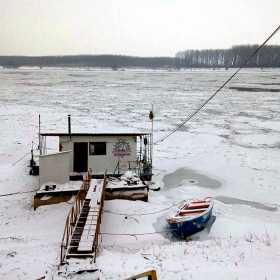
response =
{"points": [[123, 98], [245, 113], [230, 150]]}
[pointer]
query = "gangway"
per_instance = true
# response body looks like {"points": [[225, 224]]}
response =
{"points": [[80, 238]]}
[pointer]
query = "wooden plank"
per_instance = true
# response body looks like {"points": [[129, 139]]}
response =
{"points": [[93, 215], [90, 231], [87, 237], [200, 201], [89, 226], [199, 204], [195, 211], [87, 248], [78, 255], [92, 220], [87, 233]]}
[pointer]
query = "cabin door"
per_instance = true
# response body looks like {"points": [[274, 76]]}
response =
{"points": [[80, 156]]}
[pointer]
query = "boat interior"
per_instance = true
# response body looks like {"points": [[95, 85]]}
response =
{"points": [[195, 207]]}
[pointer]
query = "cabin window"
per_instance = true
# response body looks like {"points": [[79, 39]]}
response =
{"points": [[97, 148]]}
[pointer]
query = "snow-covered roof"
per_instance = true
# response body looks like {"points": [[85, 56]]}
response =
{"points": [[97, 134]]}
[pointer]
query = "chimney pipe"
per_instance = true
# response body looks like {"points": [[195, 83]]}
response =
{"points": [[69, 124]]}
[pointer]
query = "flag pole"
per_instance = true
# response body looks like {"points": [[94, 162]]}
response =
{"points": [[152, 138]]}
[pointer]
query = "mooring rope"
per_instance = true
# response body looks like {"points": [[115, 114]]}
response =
{"points": [[199, 108], [20, 159], [7, 194], [142, 214], [135, 234]]}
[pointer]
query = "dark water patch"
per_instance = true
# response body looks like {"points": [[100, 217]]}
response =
{"points": [[231, 200], [269, 84], [9, 73], [194, 178], [38, 85], [225, 136], [251, 89], [276, 147], [32, 85], [184, 128], [81, 75], [242, 114], [214, 112]]}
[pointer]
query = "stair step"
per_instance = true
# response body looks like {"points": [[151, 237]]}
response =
{"points": [[82, 255]]}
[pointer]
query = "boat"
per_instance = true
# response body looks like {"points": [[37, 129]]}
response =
{"points": [[190, 217], [129, 186]]}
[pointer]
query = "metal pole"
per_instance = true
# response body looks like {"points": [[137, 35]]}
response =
{"points": [[40, 135], [152, 138]]}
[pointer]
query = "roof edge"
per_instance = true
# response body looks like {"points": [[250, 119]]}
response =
{"points": [[96, 134]]}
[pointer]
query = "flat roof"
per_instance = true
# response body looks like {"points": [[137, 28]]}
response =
{"points": [[97, 134], [54, 154]]}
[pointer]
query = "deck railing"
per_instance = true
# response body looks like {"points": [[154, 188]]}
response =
{"points": [[101, 203], [73, 215]]}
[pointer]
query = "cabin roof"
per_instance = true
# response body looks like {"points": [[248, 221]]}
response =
{"points": [[97, 134]]}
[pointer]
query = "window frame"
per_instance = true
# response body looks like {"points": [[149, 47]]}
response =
{"points": [[99, 148]]}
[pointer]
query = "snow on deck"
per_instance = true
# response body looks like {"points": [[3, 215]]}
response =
{"points": [[94, 196], [55, 187]]}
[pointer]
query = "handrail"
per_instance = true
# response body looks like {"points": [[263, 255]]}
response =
{"points": [[152, 275], [73, 215], [99, 214]]}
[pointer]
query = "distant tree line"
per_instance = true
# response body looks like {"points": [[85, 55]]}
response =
{"points": [[268, 56], [112, 61]]}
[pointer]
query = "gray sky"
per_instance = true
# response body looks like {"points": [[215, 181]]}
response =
{"points": [[133, 27]]}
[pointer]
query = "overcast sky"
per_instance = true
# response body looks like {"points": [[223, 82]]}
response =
{"points": [[133, 27]]}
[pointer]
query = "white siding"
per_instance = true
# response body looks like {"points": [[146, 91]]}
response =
{"points": [[98, 163], [54, 168]]}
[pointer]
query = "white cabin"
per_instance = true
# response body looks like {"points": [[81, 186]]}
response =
{"points": [[116, 152]]}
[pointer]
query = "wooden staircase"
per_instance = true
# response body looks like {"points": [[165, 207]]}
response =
{"points": [[74, 249], [80, 238]]}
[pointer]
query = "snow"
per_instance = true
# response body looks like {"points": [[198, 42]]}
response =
{"points": [[229, 151], [55, 187]]}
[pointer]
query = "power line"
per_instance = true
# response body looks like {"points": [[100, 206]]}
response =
{"points": [[197, 110]]}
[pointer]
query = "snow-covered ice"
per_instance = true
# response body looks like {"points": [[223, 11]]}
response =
{"points": [[230, 150]]}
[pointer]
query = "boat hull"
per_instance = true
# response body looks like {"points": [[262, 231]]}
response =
{"points": [[188, 224], [187, 228]]}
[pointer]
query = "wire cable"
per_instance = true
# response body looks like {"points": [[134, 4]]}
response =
{"points": [[199, 108], [20, 159], [15, 193], [67, 201], [133, 234], [151, 213]]}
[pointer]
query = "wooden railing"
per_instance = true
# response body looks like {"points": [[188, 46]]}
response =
{"points": [[151, 275], [101, 203], [73, 215]]}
